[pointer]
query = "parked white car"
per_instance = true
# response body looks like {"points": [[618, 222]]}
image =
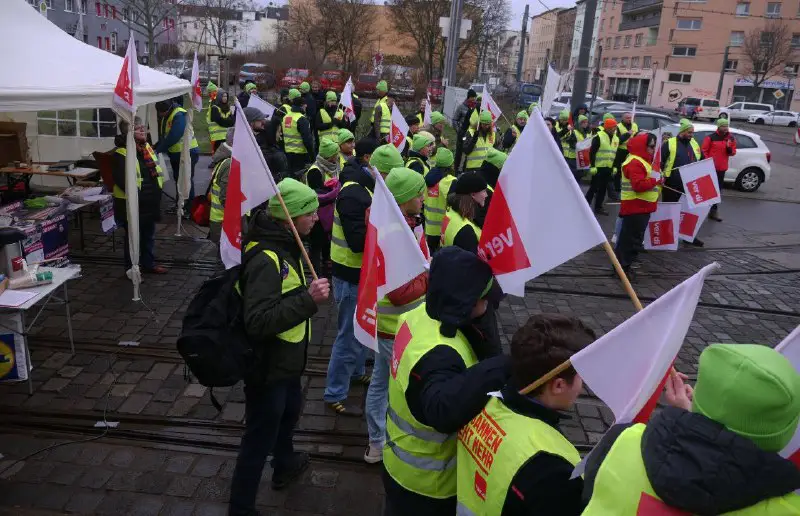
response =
{"points": [[783, 118], [743, 110], [750, 167], [563, 101]]}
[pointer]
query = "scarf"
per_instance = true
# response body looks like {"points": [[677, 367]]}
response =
{"points": [[148, 158], [331, 169]]}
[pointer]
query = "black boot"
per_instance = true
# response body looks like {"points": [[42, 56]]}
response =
{"points": [[283, 476]]}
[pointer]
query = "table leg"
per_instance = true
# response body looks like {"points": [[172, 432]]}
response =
{"points": [[29, 365], [69, 318], [80, 228]]}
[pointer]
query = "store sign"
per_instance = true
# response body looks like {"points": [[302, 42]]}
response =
{"points": [[742, 81], [633, 74]]}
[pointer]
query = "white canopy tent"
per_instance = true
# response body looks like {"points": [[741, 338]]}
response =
{"points": [[48, 69]]}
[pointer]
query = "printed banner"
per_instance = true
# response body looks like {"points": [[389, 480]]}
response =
{"points": [[55, 241], [700, 183], [662, 230], [108, 222], [13, 360]]}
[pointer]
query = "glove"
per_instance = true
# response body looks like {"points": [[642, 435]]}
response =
{"points": [[593, 170]]}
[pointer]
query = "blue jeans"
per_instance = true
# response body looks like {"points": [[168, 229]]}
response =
{"points": [[147, 241], [348, 355], [175, 162], [378, 393]]}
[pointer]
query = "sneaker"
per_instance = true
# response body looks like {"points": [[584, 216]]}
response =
{"points": [[346, 410], [282, 477], [374, 454], [364, 379]]}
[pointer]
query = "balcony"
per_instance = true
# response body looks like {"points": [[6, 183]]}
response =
{"points": [[650, 21], [635, 6]]}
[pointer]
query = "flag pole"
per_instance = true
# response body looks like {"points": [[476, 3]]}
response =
{"points": [[296, 235], [624, 277]]}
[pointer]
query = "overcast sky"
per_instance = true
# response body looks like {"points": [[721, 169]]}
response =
{"points": [[536, 7]]}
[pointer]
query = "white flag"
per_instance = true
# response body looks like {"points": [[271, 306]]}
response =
{"points": [[197, 92], [262, 105], [399, 130], [519, 240], [124, 95], [790, 348], [392, 258], [691, 219], [79, 28], [426, 116], [346, 100], [488, 104], [700, 183], [661, 233], [633, 113], [250, 183], [550, 91]]}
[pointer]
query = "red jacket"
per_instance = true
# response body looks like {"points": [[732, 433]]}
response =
{"points": [[637, 175], [719, 147]]}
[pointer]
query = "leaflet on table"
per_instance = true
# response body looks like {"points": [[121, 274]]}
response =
{"points": [[13, 360], [107, 220], [46, 241]]}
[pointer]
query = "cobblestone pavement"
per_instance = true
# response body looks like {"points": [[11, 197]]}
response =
{"points": [[173, 452]]}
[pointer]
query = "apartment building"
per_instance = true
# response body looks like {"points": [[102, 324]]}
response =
{"points": [[500, 61], [562, 43], [659, 52], [580, 15], [540, 45], [246, 30]]}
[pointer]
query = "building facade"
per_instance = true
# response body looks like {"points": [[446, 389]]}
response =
{"points": [[540, 45], [580, 15], [562, 42], [499, 65], [243, 31], [658, 55]]}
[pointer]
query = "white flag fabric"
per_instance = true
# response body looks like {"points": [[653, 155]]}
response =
{"points": [[346, 100], [250, 183], [583, 154], [124, 96], [426, 116], [626, 366], [550, 91], [700, 183], [392, 258], [691, 219], [790, 348], [79, 28], [656, 163], [519, 240], [197, 92], [399, 130], [262, 105], [488, 104], [633, 113], [661, 233]]}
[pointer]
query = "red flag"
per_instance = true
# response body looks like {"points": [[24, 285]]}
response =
{"points": [[661, 233], [124, 95], [701, 184], [691, 219]]}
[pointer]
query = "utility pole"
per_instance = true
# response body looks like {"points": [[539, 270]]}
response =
{"points": [[453, 36], [522, 43], [722, 73], [582, 70], [595, 78]]}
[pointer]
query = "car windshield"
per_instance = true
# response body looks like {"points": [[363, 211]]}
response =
{"points": [[253, 68]]}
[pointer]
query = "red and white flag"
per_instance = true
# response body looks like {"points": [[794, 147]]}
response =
{"points": [[519, 240], [262, 105], [392, 258], [124, 96], [656, 164], [488, 104], [583, 151], [419, 234], [197, 92], [691, 219], [399, 130], [797, 136], [426, 116], [627, 366], [250, 183], [790, 348], [661, 233], [700, 183], [346, 100]]}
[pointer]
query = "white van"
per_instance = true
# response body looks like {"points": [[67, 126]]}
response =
{"points": [[696, 108], [743, 110]]}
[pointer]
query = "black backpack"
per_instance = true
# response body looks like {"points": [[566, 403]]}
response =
{"points": [[213, 341]]}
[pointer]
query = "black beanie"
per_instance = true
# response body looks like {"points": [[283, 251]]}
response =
{"points": [[412, 120], [471, 94], [469, 183], [366, 146]]}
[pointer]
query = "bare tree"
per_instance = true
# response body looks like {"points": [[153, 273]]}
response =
{"points": [[150, 18], [307, 28], [768, 51], [490, 18], [419, 20], [356, 19], [220, 19]]}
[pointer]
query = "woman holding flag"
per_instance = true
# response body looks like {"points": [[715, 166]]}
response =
{"points": [[466, 203]]}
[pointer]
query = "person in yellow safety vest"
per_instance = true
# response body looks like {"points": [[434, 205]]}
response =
{"points": [[170, 131], [715, 450], [406, 186], [381, 119], [218, 188], [627, 129], [465, 203], [327, 122], [478, 142], [150, 182], [564, 130], [513, 132], [601, 156], [512, 457], [249, 89], [438, 182], [347, 146], [420, 115], [475, 116], [347, 247], [211, 91], [443, 365], [422, 148], [298, 142], [413, 128], [491, 168], [578, 134], [438, 121], [277, 307], [323, 177], [219, 118], [676, 152]]}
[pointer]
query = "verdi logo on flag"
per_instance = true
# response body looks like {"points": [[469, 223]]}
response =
{"points": [[197, 93], [583, 151], [691, 220], [488, 104], [662, 230], [397, 135], [346, 100], [701, 189], [128, 78], [373, 274], [700, 183], [504, 250]]}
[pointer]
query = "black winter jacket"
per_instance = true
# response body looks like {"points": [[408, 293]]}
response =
{"points": [[149, 193], [416, 165], [268, 312], [696, 465], [351, 206]]}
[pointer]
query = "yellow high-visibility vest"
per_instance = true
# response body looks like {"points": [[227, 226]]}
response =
{"points": [[166, 125], [118, 192]]}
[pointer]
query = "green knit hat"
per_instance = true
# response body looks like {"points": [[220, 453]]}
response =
{"points": [[344, 136], [608, 116], [422, 139], [211, 86], [723, 122], [523, 115], [405, 184], [436, 117], [328, 147], [496, 157], [582, 118], [685, 125], [294, 93], [331, 96], [532, 106], [753, 390], [486, 117], [250, 86], [444, 157], [299, 199], [385, 158], [563, 114], [382, 87], [305, 87]]}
